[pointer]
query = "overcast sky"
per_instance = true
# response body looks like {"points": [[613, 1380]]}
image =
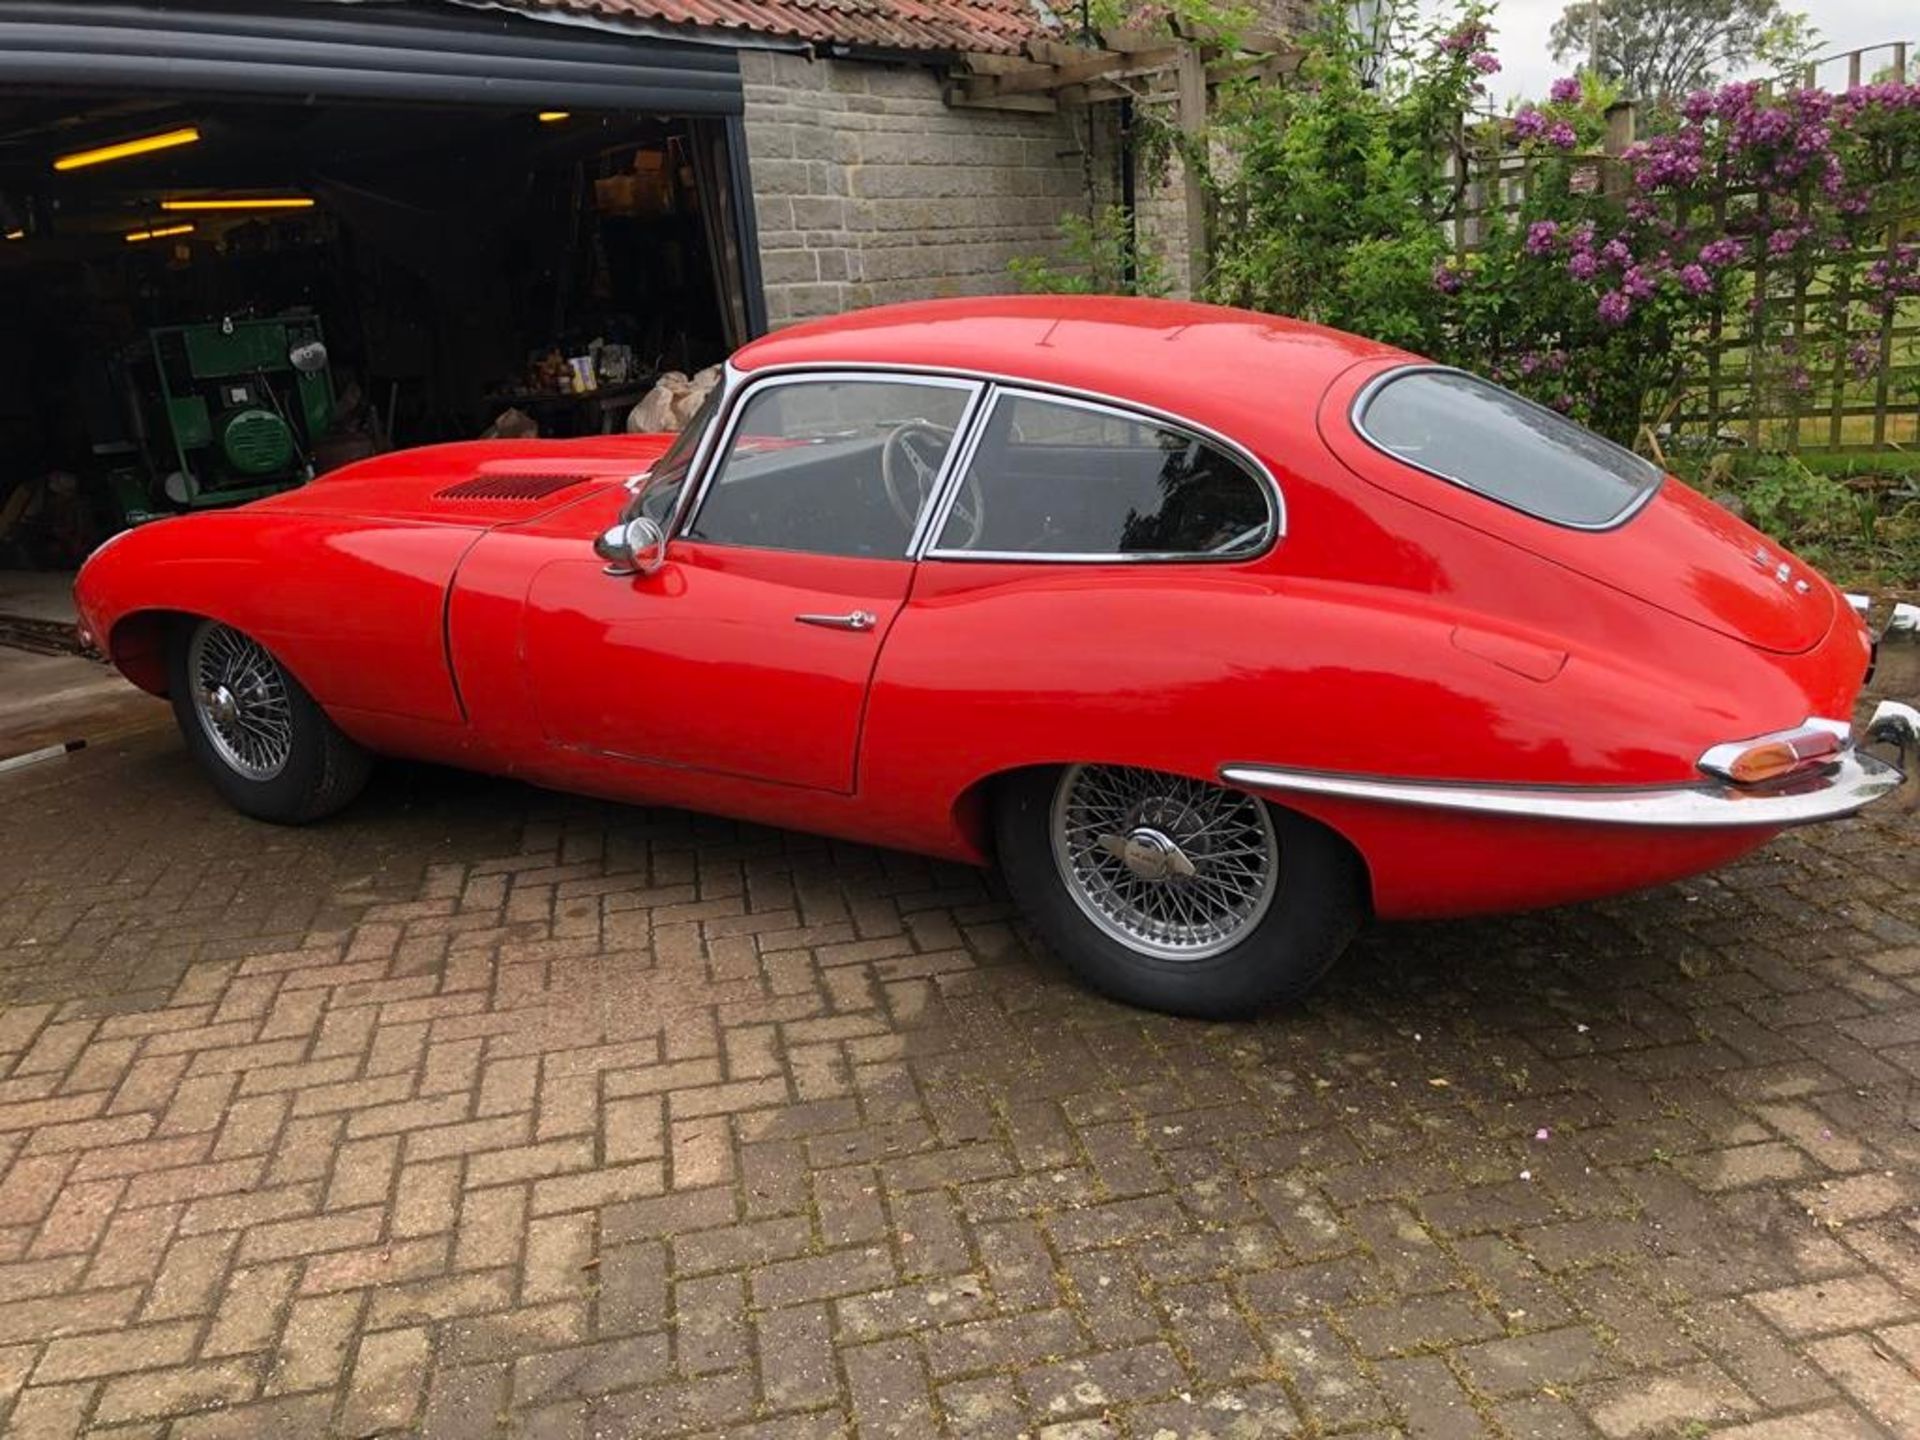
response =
{"points": [[1843, 24]]}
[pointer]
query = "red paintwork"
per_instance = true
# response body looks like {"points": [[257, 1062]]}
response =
{"points": [[1402, 628]]}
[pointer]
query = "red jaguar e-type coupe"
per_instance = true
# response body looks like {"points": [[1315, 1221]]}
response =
{"points": [[1218, 632]]}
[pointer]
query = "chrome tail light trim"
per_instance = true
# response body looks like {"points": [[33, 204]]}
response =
{"points": [[1809, 745]]}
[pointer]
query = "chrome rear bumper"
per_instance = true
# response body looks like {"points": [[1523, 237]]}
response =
{"points": [[1849, 782], [1852, 782], [1894, 629]]}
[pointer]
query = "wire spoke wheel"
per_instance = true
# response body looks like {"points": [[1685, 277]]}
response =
{"points": [[240, 696], [1168, 866]]}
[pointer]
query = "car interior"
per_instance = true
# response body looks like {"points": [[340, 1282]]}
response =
{"points": [[1105, 499], [825, 497]]}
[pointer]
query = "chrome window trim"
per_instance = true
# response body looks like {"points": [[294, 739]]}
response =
{"points": [[753, 382], [1262, 479], [635, 483], [1357, 415], [949, 491], [1852, 782], [946, 484], [1133, 409], [733, 384]]}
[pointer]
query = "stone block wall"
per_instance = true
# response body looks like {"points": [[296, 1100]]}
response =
{"points": [[869, 188]]}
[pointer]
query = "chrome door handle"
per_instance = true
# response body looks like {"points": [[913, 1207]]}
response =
{"points": [[853, 620]]}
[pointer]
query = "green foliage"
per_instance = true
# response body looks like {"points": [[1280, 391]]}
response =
{"points": [[1856, 517], [1331, 204], [1334, 206], [1749, 219], [1592, 286], [1895, 465], [1102, 254], [1220, 22], [1789, 42], [1782, 496]]}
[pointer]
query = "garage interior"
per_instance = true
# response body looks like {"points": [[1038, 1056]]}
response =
{"points": [[244, 243], [202, 302]]}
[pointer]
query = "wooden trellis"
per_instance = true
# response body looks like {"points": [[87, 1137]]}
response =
{"points": [[1733, 394]]}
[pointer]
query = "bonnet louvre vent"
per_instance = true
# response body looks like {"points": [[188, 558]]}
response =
{"points": [[510, 487]]}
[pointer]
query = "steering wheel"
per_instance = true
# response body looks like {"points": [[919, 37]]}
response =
{"points": [[910, 462]]}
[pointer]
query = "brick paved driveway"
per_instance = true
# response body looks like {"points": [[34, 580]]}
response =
{"points": [[481, 1111]]}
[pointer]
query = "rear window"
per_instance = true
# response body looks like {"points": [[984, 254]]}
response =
{"points": [[1476, 435]]}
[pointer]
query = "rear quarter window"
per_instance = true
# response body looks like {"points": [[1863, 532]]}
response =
{"points": [[1053, 478], [1472, 433]]}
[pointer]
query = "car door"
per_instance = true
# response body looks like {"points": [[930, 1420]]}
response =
{"points": [[1093, 589], [749, 651]]}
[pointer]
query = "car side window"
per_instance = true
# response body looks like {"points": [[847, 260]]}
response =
{"points": [[832, 466], [1073, 479]]}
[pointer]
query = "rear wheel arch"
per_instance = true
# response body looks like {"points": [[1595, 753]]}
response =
{"points": [[973, 814], [1251, 933]]}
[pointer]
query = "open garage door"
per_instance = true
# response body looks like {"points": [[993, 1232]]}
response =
{"points": [[239, 249], [330, 51], [345, 51]]}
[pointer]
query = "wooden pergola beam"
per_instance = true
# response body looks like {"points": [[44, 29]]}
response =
{"points": [[1044, 78], [1075, 73], [958, 97]]}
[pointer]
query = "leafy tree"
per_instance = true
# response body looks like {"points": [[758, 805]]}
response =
{"points": [[1789, 43], [1663, 49]]}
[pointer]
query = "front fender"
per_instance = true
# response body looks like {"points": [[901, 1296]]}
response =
{"points": [[354, 608]]}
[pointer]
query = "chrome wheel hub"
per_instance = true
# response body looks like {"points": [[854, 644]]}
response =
{"points": [[222, 705], [1148, 854], [241, 700], [1168, 866]]}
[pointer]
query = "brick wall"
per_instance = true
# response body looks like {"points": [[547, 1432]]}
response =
{"points": [[868, 188]]}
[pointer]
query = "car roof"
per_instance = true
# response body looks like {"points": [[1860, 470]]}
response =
{"points": [[1176, 355]]}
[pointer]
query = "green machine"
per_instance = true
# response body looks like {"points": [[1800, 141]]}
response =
{"points": [[244, 402]]}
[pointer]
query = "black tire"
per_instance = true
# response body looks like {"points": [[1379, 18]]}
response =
{"points": [[320, 770], [1318, 901]]}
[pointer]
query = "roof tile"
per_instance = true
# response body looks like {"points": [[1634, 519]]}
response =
{"points": [[1001, 26]]}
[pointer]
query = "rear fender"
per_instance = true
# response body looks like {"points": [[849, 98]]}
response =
{"points": [[992, 668]]}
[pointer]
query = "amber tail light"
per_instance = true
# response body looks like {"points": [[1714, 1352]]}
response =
{"points": [[1775, 756]]}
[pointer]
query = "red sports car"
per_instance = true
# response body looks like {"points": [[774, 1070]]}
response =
{"points": [[1218, 632]]}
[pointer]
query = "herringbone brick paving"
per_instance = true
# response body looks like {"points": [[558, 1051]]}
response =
{"points": [[479, 1111]]}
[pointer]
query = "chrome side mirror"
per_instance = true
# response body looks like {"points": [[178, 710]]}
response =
{"points": [[633, 547]]}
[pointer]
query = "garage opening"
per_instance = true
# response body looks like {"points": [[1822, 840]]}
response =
{"points": [[243, 243], [202, 301]]}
